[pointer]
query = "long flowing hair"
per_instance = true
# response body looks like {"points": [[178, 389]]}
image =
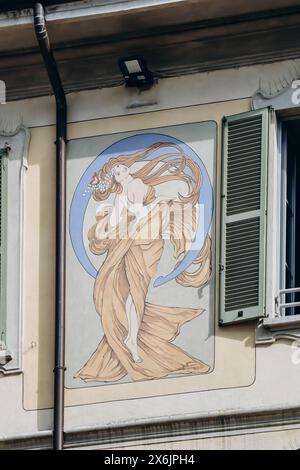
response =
{"points": [[172, 165], [177, 165]]}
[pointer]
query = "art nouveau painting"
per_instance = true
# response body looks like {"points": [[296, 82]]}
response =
{"points": [[140, 232]]}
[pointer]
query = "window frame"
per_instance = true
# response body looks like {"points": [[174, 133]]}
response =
{"points": [[3, 247], [277, 326], [283, 220], [18, 139]]}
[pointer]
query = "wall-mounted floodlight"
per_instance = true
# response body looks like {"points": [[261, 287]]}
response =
{"points": [[136, 73]]}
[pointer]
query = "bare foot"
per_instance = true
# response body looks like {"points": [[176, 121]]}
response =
{"points": [[132, 348]]}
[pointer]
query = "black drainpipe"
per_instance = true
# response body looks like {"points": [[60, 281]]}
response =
{"points": [[61, 141]]}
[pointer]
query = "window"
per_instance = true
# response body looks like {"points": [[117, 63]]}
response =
{"points": [[260, 249], [289, 297], [282, 249]]}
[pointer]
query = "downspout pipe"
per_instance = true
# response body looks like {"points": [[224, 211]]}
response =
{"points": [[61, 141]]}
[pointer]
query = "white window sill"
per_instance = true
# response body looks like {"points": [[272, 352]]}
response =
{"points": [[289, 321], [270, 329]]}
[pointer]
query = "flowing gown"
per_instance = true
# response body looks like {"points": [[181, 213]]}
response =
{"points": [[129, 266]]}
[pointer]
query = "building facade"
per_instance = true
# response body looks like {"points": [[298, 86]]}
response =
{"points": [[183, 332]]}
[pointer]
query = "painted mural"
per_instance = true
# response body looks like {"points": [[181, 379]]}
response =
{"points": [[149, 194]]}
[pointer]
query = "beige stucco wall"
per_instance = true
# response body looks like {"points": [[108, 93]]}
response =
{"points": [[244, 378]]}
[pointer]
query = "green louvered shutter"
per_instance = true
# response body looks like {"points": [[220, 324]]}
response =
{"points": [[3, 251], [244, 193]]}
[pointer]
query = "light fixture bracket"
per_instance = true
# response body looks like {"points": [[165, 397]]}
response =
{"points": [[136, 73]]}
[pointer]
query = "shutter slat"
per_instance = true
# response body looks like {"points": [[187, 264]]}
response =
{"points": [[246, 164], [241, 144], [235, 151], [243, 216], [244, 135], [244, 124], [244, 156]]}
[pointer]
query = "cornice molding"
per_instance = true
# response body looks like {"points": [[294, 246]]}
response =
{"points": [[170, 51]]}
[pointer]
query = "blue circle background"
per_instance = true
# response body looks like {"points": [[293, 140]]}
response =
{"points": [[126, 146]]}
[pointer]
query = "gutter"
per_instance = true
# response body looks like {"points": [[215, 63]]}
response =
{"points": [[61, 141]]}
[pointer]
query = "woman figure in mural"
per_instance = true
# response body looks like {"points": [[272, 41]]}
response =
{"points": [[138, 336]]}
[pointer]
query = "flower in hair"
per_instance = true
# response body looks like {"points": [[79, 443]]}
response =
{"points": [[101, 184]]}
